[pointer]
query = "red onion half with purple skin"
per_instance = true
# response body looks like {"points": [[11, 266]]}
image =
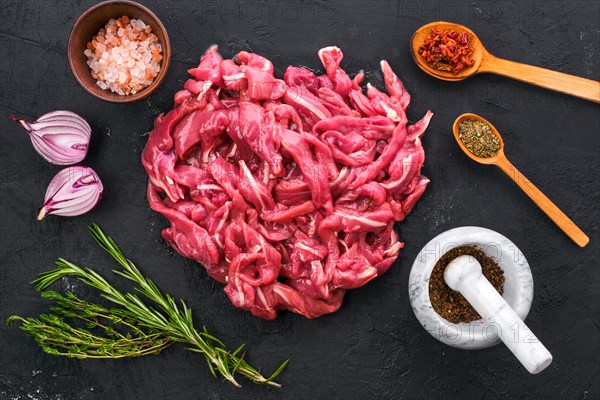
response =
{"points": [[61, 137], [73, 191]]}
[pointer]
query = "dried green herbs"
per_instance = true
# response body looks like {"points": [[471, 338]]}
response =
{"points": [[451, 305], [478, 138]]}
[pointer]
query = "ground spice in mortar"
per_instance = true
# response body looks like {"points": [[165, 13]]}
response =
{"points": [[451, 305], [478, 138]]}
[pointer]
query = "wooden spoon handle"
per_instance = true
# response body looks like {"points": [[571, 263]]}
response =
{"points": [[564, 83], [544, 203]]}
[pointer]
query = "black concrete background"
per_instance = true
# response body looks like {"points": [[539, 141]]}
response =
{"points": [[373, 348]]}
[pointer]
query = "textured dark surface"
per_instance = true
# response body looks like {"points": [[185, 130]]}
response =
{"points": [[373, 348]]}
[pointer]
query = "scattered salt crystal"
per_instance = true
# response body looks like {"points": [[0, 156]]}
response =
{"points": [[120, 32]]}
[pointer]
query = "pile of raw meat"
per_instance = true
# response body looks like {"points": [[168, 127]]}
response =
{"points": [[285, 190]]}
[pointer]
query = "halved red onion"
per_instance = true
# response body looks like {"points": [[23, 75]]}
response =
{"points": [[73, 191], [61, 137]]}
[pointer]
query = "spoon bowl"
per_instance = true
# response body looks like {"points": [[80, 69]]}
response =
{"points": [[543, 202], [424, 32], [480, 160]]}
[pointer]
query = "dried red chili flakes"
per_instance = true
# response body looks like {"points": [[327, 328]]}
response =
{"points": [[447, 50]]}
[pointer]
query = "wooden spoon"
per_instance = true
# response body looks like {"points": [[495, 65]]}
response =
{"points": [[485, 62], [533, 192]]}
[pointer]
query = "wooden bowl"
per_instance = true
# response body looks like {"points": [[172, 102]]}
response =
{"points": [[88, 25]]}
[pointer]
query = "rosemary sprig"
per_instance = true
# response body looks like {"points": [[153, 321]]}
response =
{"points": [[132, 329]]}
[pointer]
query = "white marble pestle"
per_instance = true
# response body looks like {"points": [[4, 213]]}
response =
{"points": [[464, 274]]}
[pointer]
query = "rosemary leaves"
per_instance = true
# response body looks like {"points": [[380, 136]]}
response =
{"points": [[478, 138], [77, 328]]}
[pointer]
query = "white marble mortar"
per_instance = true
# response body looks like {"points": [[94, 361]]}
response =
{"points": [[518, 285]]}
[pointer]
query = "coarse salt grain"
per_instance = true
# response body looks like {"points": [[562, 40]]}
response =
{"points": [[124, 56]]}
